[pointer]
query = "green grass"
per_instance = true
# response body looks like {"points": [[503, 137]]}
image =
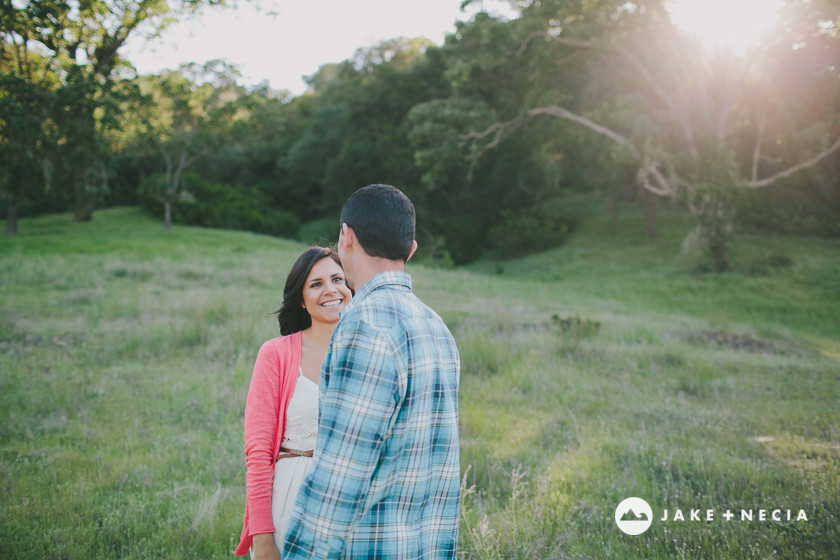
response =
{"points": [[125, 355]]}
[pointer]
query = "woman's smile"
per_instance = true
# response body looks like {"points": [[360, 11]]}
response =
{"points": [[325, 293]]}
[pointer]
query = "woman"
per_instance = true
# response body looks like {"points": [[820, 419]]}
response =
{"points": [[281, 413]]}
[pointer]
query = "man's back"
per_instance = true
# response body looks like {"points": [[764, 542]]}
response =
{"points": [[385, 481]]}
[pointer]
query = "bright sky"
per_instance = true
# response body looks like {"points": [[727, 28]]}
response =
{"points": [[299, 37], [726, 24]]}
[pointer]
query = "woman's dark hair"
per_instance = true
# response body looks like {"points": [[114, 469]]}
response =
{"points": [[382, 218], [291, 315]]}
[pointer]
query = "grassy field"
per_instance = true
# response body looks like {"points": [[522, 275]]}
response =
{"points": [[600, 370]]}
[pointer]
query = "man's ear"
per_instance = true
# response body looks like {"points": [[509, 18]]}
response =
{"points": [[347, 237], [413, 248]]}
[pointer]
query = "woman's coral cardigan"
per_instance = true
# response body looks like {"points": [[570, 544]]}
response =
{"points": [[272, 385]]}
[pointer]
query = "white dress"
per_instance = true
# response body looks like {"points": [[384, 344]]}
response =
{"points": [[289, 472]]}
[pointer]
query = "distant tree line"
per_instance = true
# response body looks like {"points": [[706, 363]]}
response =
{"points": [[485, 132]]}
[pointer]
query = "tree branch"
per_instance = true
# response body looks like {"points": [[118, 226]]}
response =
{"points": [[568, 58], [647, 167], [182, 164], [497, 128], [106, 52], [499, 131], [727, 104], [721, 126], [754, 184], [684, 123], [762, 121], [168, 161], [197, 156], [665, 186], [562, 113]]}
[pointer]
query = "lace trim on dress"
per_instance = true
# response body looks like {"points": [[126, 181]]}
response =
{"points": [[302, 416]]}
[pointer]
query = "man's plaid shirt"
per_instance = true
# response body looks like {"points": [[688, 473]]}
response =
{"points": [[384, 482]]}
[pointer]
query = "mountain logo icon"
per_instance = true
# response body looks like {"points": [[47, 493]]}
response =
{"points": [[633, 516]]}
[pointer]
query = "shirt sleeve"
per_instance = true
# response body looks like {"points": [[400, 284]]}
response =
{"points": [[261, 414], [361, 394]]}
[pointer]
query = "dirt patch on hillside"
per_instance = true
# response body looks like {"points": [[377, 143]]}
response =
{"points": [[740, 342]]}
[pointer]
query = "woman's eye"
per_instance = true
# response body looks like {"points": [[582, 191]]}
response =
{"points": [[338, 280], [315, 285]]}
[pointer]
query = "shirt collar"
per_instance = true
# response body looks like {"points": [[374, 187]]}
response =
{"points": [[388, 278]]}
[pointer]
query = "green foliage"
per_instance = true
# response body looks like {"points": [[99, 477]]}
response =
{"points": [[65, 59], [463, 236], [25, 166], [809, 206], [768, 262], [710, 193], [436, 136], [528, 231], [472, 129], [323, 232], [319, 142], [432, 252], [576, 326], [206, 204]]}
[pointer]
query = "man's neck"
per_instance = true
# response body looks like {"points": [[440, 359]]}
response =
{"points": [[368, 267]]}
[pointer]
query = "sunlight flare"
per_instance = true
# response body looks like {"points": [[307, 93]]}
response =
{"points": [[733, 25]]}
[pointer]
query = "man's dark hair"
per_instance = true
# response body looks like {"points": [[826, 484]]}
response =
{"points": [[291, 315], [382, 218]]}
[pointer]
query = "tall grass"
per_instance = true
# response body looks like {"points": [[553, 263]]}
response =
{"points": [[125, 355], [695, 392]]}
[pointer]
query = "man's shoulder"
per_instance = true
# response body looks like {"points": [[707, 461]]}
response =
{"points": [[387, 307], [392, 313]]}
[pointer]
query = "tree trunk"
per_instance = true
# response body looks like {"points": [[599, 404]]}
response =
{"points": [[713, 212], [649, 206], [82, 207], [719, 254], [12, 219], [167, 215]]}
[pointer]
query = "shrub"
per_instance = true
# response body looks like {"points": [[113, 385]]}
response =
{"points": [[530, 230], [577, 327], [463, 237], [768, 262], [202, 203], [432, 252], [789, 208]]}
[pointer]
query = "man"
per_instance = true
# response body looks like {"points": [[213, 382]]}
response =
{"points": [[384, 482]]}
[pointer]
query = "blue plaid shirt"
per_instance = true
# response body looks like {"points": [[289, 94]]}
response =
{"points": [[384, 482]]}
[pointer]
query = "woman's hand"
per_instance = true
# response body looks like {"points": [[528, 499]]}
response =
{"points": [[264, 548]]}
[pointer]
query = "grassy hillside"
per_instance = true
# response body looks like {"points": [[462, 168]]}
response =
{"points": [[595, 372]]}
